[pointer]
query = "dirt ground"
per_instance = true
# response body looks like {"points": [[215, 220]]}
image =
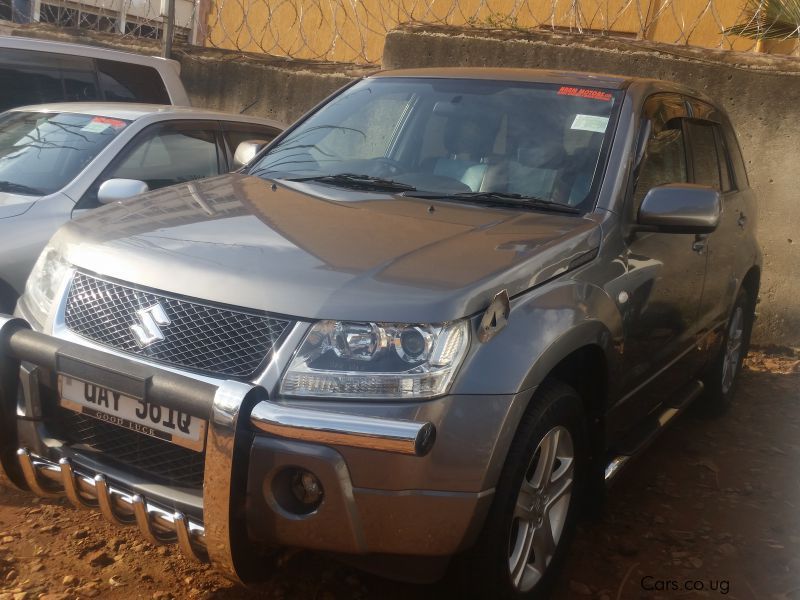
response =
{"points": [[711, 509]]}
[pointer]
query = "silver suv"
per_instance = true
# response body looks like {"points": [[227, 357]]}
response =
{"points": [[425, 326], [34, 71], [58, 161]]}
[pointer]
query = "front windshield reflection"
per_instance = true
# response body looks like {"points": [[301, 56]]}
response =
{"points": [[42, 152], [454, 136]]}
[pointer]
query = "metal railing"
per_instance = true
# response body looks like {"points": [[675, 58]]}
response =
{"points": [[355, 30]]}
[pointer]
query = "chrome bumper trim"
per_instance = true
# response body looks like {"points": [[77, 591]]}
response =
{"points": [[324, 427], [106, 508], [32, 467], [70, 482], [223, 494], [158, 525]]}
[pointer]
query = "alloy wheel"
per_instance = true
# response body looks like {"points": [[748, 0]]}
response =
{"points": [[541, 508]]}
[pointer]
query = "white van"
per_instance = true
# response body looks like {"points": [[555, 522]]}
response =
{"points": [[34, 71]]}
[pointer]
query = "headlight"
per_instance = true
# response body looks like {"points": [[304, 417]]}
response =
{"points": [[44, 282], [376, 360]]}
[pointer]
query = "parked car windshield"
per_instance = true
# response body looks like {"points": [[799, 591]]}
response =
{"points": [[455, 137], [41, 152]]}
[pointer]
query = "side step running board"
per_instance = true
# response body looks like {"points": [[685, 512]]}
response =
{"points": [[657, 426]]}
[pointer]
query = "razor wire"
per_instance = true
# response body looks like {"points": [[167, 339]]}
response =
{"points": [[355, 30]]}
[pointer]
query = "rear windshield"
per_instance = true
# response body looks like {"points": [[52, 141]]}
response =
{"points": [[457, 136], [34, 77], [41, 152]]}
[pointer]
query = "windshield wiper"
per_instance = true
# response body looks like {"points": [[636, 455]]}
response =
{"points": [[360, 182], [501, 199], [18, 188]]}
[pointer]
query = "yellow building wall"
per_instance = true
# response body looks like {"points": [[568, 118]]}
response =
{"points": [[354, 30]]}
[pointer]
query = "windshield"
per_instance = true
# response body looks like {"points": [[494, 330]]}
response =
{"points": [[41, 152], [454, 137]]}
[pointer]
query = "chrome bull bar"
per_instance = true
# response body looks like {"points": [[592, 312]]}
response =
{"points": [[235, 412], [218, 539], [157, 524]]}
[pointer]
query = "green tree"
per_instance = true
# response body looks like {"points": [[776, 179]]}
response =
{"points": [[769, 20]]}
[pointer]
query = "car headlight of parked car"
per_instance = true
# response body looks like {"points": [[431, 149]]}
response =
{"points": [[44, 282], [345, 359]]}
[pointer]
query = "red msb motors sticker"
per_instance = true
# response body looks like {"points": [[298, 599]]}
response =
{"points": [[566, 90]]}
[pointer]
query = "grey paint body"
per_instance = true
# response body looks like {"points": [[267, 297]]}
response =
{"points": [[28, 222], [575, 282]]}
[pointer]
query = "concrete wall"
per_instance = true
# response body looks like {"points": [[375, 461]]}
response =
{"points": [[256, 85], [356, 31], [761, 93]]}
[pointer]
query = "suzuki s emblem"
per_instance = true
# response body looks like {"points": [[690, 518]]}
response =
{"points": [[147, 330]]}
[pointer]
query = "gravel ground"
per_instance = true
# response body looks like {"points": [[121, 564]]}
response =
{"points": [[711, 506]]}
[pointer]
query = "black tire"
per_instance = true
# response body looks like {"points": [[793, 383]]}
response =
{"points": [[486, 571], [720, 384]]}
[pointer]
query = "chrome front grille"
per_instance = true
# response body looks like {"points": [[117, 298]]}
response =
{"points": [[201, 337]]}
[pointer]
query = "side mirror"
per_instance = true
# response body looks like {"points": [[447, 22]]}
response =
{"points": [[680, 208], [246, 151], [113, 190]]}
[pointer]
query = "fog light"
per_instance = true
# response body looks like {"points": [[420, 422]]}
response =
{"points": [[307, 488], [295, 491]]}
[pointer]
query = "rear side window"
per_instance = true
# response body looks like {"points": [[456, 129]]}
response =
{"points": [[30, 77], [125, 82], [705, 160]]}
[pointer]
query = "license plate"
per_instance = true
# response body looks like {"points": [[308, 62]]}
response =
{"points": [[137, 415]]}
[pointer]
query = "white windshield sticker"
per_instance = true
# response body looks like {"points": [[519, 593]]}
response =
{"points": [[590, 123], [97, 127]]}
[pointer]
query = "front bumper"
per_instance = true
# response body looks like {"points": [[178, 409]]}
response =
{"points": [[250, 442]]}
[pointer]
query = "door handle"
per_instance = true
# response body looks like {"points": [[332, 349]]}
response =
{"points": [[742, 220], [699, 244]]}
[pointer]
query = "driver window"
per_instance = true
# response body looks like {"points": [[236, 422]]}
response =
{"points": [[665, 156], [173, 155], [164, 155]]}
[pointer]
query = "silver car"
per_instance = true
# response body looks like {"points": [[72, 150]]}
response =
{"points": [[59, 160]]}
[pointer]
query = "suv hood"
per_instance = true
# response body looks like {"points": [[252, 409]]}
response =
{"points": [[247, 242]]}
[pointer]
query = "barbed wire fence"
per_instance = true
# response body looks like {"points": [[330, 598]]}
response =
{"points": [[354, 30]]}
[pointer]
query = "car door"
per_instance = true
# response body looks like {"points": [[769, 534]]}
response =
{"points": [[164, 154], [236, 133], [712, 165], [665, 271]]}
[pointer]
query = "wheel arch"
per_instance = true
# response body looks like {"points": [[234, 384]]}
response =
{"points": [[585, 358], [751, 283]]}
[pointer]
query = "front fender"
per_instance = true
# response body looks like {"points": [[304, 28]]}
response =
{"points": [[544, 327]]}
